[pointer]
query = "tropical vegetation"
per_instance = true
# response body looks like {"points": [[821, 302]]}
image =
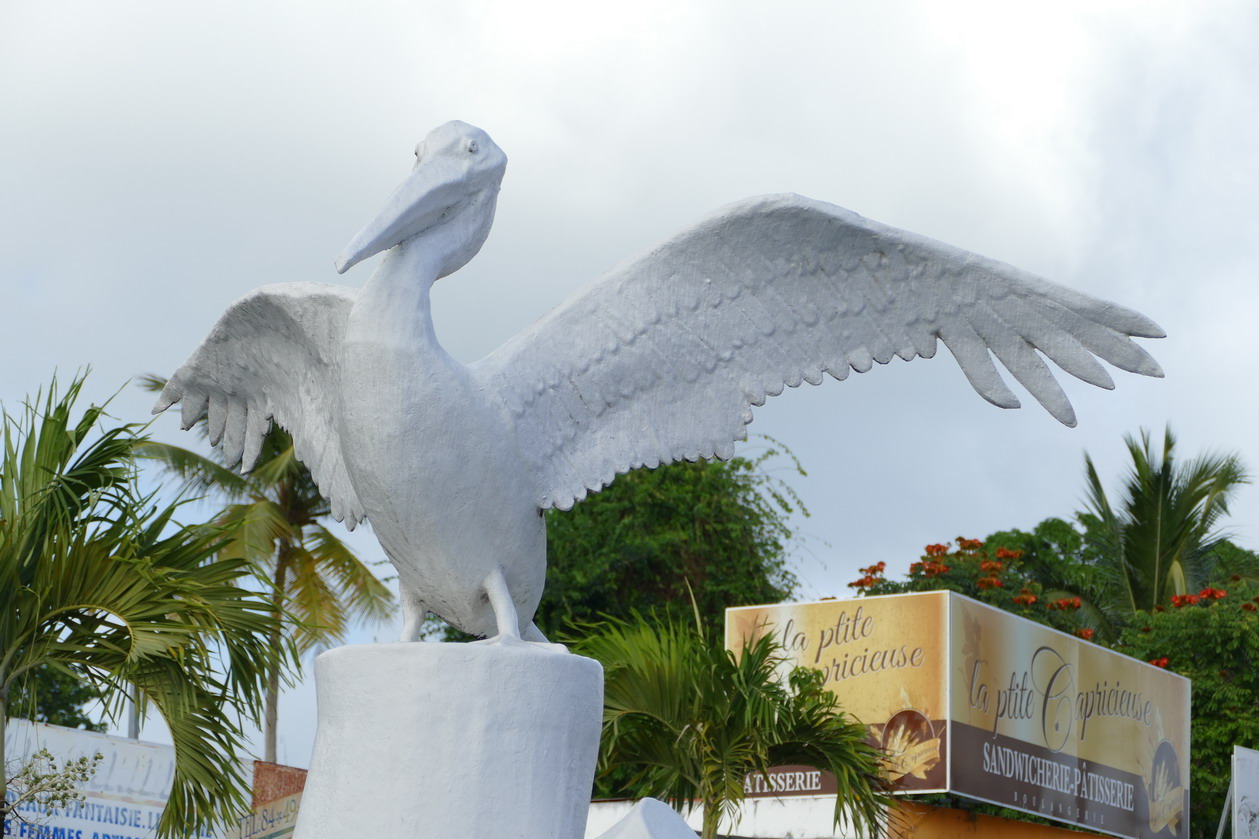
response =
{"points": [[57, 698], [100, 582], [1155, 542], [1212, 637], [688, 721], [1148, 574], [717, 530], [275, 519]]}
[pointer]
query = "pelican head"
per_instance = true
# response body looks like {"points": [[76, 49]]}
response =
{"points": [[454, 186]]}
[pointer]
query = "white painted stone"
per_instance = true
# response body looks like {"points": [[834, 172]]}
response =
{"points": [[452, 740], [662, 359], [650, 819], [790, 817]]}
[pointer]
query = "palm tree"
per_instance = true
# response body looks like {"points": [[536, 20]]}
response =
{"points": [[1158, 541], [690, 721], [99, 582], [274, 517]]}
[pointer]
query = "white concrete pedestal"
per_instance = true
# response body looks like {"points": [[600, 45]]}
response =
{"points": [[452, 740]]}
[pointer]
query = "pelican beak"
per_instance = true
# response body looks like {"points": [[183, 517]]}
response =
{"points": [[430, 196]]}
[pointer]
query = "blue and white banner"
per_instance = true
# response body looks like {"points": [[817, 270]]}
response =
{"points": [[124, 799]]}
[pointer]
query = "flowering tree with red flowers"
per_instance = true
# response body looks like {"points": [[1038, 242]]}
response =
{"points": [[1211, 636], [987, 571], [1148, 574]]}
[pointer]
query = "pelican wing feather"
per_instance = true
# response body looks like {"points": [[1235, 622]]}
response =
{"points": [[272, 356], [664, 358]]}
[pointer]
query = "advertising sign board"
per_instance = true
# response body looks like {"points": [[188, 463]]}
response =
{"points": [[969, 699], [123, 800], [270, 820], [1245, 793], [885, 658]]}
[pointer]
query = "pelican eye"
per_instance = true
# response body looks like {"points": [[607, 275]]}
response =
{"points": [[472, 147]]}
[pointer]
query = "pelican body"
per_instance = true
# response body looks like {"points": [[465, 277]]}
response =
{"points": [[662, 359], [393, 371]]}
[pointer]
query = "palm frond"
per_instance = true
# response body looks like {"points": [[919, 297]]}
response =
{"points": [[197, 474], [359, 589], [1158, 542], [317, 585], [690, 721], [101, 581]]}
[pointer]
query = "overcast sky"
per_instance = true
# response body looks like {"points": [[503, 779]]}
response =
{"points": [[158, 160]]}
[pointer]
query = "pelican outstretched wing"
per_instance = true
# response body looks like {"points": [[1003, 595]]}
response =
{"points": [[271, 356], [664, 358]]}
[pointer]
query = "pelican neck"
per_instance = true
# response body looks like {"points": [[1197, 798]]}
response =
{"points": [[395, 299]]}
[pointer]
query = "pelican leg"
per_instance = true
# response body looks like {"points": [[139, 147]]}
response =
{"points": [[504, 607], [413, 614], [507, 619]]}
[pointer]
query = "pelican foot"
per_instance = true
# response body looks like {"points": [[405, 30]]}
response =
{"points": [[506, 640]]}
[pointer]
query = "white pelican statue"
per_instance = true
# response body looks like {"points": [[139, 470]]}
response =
{"points": [[662, 359]]}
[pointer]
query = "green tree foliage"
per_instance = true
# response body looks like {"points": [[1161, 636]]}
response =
{"points": [[687, 721], [1232, 564], [56, 697], [990, 572], [1210, 636], [99, 581], [1159, 538], [718, 529], [1213, 638], [1154, 541], [274, 519]]}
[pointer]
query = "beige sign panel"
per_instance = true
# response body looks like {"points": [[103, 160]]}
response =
{"points": [[1050, 724], [884, 657], [272, 820], [972, 700]]}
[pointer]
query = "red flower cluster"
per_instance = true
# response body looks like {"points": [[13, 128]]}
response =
{"points": [[1159, 662], [928, 568], [1086, 634], [872, 575], [1250, 607], [1025, 597], [969, 544], [1204, 596], [1005, 553], [1064, 604], [937, 550], [991, 565], [991, 581]]}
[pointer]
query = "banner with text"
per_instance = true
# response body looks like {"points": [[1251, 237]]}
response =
{"points": [[123, 800], [969, 699], [884, 657], [1054, 725]]}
